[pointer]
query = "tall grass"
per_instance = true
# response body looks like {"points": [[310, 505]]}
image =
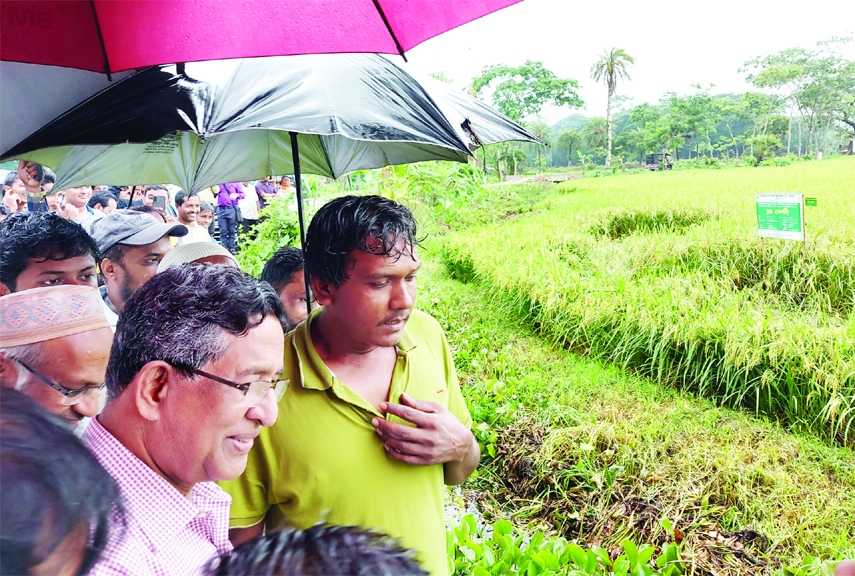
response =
{"points": [[663, 274]]}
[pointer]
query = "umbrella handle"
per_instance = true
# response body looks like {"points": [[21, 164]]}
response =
{"points": [[295, 156]]}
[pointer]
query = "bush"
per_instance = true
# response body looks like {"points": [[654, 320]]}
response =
{"points": [[278, 227]]}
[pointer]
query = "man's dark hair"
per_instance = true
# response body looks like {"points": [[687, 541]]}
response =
{"points": [[10, 178], [52, 485], [328, 550], [149, 210], [351, 222], [157, 187], [49, 176], [40, 236], [280, 269], [181, 196], [180, 317], [102, 197]]}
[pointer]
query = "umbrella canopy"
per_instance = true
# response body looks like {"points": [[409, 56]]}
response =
{"points": [[228, 121], [29, 97], [113, 35], [476, 123]]}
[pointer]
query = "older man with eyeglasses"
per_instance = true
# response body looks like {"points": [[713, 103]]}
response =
{"points": [[193, 376], [54, 346]]}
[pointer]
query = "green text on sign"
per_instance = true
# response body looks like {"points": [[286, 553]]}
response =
{"points": [[780, 216], [810, 201]]}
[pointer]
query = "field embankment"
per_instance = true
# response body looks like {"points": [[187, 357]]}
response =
{"points": [[663, 274]]}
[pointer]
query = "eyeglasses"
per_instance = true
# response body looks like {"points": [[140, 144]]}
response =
{"points": [[71, 396], [253, 392]]}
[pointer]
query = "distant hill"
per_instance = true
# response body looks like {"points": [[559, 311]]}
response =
{"points": [[572, 122]]}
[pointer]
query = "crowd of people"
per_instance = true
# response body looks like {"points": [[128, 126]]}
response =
{"points": [[237, 205], [163, 412]]}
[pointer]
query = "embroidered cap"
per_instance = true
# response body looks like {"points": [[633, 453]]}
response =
{"points": [[40, 314]]}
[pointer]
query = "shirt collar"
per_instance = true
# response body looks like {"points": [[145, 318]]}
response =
{"points": [[320, 376], [157, 507]]}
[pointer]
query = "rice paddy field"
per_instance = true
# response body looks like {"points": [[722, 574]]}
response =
{"points": [[663, 274], [638, 377]]}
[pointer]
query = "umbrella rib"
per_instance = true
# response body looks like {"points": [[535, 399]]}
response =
{"points": [[101, 41], [389, 28]]}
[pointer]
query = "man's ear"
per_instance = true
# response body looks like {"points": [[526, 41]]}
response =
{"points": [[150, 388], [8, 371], [108, 268], [4, 290], [322, 290]]}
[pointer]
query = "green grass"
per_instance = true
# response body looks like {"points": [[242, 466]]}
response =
{"points": [[662, 273], [589, 451]]}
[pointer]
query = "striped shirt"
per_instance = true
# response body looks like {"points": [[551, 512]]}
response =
{"points": [[166, 533]]}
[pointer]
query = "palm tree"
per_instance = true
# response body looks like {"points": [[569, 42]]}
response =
{"points": [[568, 140], [543, 131], [612, 65]]}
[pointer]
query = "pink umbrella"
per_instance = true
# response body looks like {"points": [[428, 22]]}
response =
{"points": [[114, 35]]}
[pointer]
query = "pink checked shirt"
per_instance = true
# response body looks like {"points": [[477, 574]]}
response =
{"points": [[167, 534]]}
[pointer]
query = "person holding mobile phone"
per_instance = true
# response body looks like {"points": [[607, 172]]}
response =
{"points": [[156, 196]]}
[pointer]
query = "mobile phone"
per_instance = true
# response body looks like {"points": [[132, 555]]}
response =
{"points": [[159, 202], [40, 173]]}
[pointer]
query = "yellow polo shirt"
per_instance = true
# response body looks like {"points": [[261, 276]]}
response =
{"points": [[323, 462]]}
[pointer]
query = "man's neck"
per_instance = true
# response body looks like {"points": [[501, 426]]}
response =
{"points": [[188, 223], [111, 302], [334, 345], [126, 426]]}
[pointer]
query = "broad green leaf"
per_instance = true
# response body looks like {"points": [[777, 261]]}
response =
{"points": [[577, 554], [631, 551], [503, 528]]}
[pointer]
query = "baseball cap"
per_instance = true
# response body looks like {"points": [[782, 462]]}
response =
{"points": [[131, 228]]}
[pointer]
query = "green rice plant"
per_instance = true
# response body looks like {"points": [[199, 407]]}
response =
{"points": [[596, 455], [622, 224], [662, 273]]}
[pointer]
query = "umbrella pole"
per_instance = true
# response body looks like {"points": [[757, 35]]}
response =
{"points": [[295, 156]]}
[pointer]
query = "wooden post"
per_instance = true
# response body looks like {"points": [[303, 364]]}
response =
{"points": [[804, 231]]}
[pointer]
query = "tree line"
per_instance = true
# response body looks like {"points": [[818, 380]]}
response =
{"points": [[804, 104]]}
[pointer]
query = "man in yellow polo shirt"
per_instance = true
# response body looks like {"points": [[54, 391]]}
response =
{"points": [[373, 423]]}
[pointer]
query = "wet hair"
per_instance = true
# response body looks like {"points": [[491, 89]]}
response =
{"points": [[280, 269], [351, 222], [181, 196], [102, 197], [52, 484], [205, 207], [10, 178], [181, 315], [41, 236], [321, 549]]}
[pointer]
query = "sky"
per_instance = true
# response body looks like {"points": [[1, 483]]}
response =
{"points": [[675, 44]]}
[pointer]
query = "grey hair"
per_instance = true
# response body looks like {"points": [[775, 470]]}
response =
{"points": [[31, 354], [183, 316]]}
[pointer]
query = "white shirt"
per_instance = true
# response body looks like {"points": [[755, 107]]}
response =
{"points": [[112, 317], [195, 233], [249, 203]]}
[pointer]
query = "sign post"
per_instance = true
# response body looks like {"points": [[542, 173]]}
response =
{"points": [[780, 216]]}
